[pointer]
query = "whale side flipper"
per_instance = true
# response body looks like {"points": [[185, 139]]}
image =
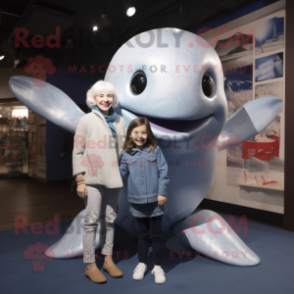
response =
{"points": [[248, 121], [47, 101], [71, 243], [208, 233]]}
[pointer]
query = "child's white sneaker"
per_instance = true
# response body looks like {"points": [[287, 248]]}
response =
{"points": [[159, 274], [139, 271]]}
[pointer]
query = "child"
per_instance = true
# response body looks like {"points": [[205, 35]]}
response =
{"points": [[143, 160]]}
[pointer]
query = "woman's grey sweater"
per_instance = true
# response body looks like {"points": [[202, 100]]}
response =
{"points": [[96, 154]]}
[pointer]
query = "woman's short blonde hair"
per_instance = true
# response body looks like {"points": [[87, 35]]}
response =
{"points": [[100, 87]]}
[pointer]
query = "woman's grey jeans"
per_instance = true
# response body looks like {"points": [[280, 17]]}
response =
{"points": [[101, 204]]}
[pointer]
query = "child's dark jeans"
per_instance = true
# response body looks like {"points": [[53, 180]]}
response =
{"points": [[150, 231]]}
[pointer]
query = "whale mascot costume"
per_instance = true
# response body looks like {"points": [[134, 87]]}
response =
{"points": [[175, 79]]}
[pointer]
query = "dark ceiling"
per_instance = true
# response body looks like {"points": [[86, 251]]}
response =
{"points": [[79, 44]]}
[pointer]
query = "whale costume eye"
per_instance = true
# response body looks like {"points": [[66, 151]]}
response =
{"points": [[138, 82], [207, 85]]}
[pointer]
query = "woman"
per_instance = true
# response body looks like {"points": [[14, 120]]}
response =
{"points": [[98, 146]]}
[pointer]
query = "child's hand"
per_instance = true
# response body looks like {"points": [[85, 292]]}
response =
{"points": [[161, 199]]}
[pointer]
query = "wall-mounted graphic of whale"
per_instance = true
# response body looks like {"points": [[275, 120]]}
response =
{"points": [[175, 79]]}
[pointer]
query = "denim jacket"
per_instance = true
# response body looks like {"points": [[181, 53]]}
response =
{"points": [[148, 174]]}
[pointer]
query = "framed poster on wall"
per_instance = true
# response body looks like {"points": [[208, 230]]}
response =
{"points": [[252, 52]]}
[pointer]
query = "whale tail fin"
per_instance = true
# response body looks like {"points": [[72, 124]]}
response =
{"points": [[71, 243], [208, 233]]}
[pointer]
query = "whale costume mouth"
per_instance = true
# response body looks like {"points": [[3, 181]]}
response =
{"points": [[172, 125]]}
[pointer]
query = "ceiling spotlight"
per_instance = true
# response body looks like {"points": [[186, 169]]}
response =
{"points": [[94, 25], [131, 11], [1, 55]]}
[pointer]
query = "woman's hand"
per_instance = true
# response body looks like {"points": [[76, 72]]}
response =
{"points": [[161, 199], [82, 190]]}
